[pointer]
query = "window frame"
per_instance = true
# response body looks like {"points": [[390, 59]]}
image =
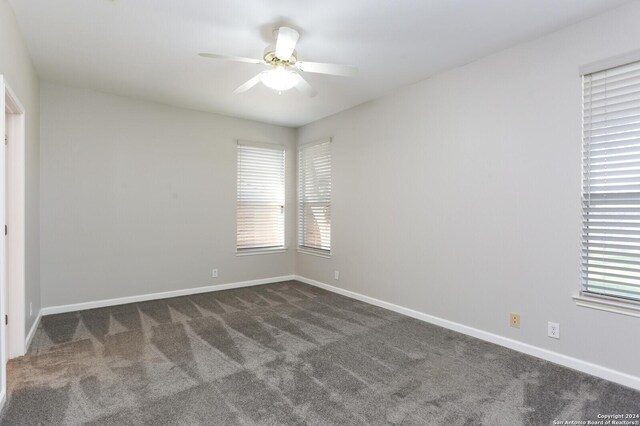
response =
{"points": [[300, 247], [249, 251], [584, 298]]}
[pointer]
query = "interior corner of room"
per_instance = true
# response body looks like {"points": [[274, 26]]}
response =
{"points": [[485, 193]]}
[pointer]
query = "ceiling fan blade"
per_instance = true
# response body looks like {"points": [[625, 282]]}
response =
{"points": [[331, 69], [232, 58], [304, 87], [286, 42], [249, 84]]}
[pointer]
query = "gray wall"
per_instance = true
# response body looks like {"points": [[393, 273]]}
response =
{"points": [[140, 197], [460, 196], [15, 65]]}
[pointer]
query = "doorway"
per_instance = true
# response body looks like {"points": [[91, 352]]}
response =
{"points": [[12, 219]]}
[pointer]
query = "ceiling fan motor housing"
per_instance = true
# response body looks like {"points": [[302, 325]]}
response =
{"points": [[271, 58]]}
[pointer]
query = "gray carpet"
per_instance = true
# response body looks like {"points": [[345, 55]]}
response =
{"points": [[285, 353]]}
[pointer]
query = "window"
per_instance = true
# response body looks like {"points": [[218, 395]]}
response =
{"points": [[260, 214], [314, 197], [611, 183]]}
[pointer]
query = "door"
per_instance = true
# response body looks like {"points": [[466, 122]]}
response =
{"points": [[12, 248]]}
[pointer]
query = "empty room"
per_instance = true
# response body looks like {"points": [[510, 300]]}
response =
{"points": [[363, 212]]}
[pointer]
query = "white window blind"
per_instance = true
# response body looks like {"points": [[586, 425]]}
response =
{"points": [[611, 182], [260, 204], [314, 197]]}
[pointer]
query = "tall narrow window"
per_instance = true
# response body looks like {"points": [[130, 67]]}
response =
{"points": [[611, 182], [260, 214], [314, 197]]}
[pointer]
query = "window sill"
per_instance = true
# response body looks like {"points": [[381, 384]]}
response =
{"points": [[608, 304], [315, 253], [254, 252]]}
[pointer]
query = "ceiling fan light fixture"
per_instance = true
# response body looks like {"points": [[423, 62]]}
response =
{"points": [[285, 71], [279, 79]]}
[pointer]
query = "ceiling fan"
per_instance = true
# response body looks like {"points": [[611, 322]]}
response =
{"points": [[284, 66]]}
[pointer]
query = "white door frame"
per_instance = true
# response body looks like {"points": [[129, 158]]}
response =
{"points": [[15, 220], [12, 262]]}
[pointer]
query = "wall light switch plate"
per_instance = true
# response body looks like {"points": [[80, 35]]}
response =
{"points": [[214, 273], [336, 275]]}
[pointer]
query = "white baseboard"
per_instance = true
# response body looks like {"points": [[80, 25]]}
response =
{"points": [[49, 310], [32, 331], [555, 357], [3, 399]]}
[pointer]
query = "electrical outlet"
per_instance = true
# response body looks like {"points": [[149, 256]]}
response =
{"points": [[553, 330], [30, 309], [214, 273], [336, 275], [514, 320]]}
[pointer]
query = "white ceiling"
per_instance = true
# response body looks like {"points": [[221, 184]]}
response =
{"points": [[148, 49]]}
